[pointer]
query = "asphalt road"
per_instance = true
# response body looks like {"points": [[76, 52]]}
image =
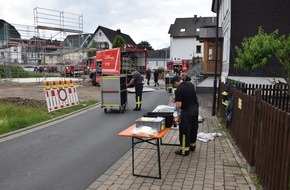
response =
{"points": [[70, 154]]}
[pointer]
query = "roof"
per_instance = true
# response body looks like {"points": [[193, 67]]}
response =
{"points": [[158, 53], [187, 27], [13, 33], [111, 35], [78, 40]]}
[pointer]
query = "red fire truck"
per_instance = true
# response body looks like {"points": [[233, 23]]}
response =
{"points": [[178, 66], [117, 61]]}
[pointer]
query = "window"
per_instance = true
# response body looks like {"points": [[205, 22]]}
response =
{"points": [[198, 49], [210, 54], [100, 33], [211, 50]]}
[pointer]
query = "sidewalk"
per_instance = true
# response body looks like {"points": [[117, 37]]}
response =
{"points": [[213, 165]]}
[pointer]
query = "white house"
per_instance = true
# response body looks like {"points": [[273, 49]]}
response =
{"points": [[184, 43], [104, 37]]}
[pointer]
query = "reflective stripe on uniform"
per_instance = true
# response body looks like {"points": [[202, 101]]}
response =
{"points": [[138, 102], [192, 144], [183, 148]]}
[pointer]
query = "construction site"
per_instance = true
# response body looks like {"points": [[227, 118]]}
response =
{"points": [[55, 42]]}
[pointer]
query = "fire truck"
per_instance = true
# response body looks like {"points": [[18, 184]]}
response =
{"points": [[117, 61], [178, 66]]}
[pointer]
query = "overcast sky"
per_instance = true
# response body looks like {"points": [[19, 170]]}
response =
{"points": [[143, 20]]}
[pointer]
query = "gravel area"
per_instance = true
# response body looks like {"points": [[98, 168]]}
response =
{"points": [[33, 93]]}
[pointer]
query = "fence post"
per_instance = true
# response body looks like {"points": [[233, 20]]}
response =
{"points": [[256, 113]]}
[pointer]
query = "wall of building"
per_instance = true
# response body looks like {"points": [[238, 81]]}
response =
{"points": [[156, 63], [184, 48], [246, 17], [101, 37], [225, 24]]}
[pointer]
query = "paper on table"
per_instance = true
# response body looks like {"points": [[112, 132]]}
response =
{"points": [[144, 130]]}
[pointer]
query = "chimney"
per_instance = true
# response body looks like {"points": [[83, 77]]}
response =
{"points": [[195, 18], [118, 31]]}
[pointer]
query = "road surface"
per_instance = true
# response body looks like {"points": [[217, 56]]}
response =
{"points": [[71, 154]]}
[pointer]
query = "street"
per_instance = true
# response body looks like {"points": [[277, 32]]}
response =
{"points": [[72, 153]]}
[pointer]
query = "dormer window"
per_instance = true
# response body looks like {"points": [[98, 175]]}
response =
{"points": [[182, 30]]}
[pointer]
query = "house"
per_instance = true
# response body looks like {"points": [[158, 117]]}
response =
{"points": [[207, 35], [66, 56], [16, 48], [10, 38], [73, 50], [104, 37], [75, 47], [240, 19], [184, 43], [157, 58], [34, 49], [77, 40]]}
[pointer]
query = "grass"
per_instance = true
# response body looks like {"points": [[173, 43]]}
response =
{"points": [[14, 117]]}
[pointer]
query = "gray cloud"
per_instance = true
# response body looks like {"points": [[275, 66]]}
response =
{"points": [[143, 20]]}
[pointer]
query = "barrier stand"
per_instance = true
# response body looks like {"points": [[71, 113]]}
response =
{"points": [[61, 95]]}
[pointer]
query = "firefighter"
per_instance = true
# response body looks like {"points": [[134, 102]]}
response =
{"points": [[137, 81], [156, 76], [186, 100], [148, 76]]}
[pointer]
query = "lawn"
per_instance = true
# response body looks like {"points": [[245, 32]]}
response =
{"points": [[14, 117]]}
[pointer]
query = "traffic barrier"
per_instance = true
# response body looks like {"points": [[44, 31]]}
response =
{"points": [[61, 95]]}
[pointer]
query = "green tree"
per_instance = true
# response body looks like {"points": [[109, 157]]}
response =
{"points": [[145, 44], [256, 52], [118, 41], [93, 48]]}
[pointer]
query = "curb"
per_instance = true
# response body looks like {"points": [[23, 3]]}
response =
{"points": [[66, 116]]}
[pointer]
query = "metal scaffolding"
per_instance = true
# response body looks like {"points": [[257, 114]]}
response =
{"points": [[24, 45], [27, 45]]}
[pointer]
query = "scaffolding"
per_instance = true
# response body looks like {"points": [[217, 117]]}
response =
{"points": [[28, 46], [60, 24]]}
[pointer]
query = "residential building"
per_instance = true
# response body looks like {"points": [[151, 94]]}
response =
{"points": [[73, 50], [157, 58], [77, 40], [10, 38], [240, 19], [33, 50], [75, 47], [104, 37], [184, 43]]}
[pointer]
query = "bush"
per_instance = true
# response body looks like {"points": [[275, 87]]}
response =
{"points": [[12, 72]]}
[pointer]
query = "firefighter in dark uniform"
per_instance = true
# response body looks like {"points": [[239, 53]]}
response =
{"points": [[156, 76], [186, 100], [137, 81]]}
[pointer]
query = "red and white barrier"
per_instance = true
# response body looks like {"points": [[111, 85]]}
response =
{"points": [[60, 96]]}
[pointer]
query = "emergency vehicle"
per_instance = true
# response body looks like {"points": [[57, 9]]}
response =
{"points": [[117, 61], [67, 70], [178, 66]]}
